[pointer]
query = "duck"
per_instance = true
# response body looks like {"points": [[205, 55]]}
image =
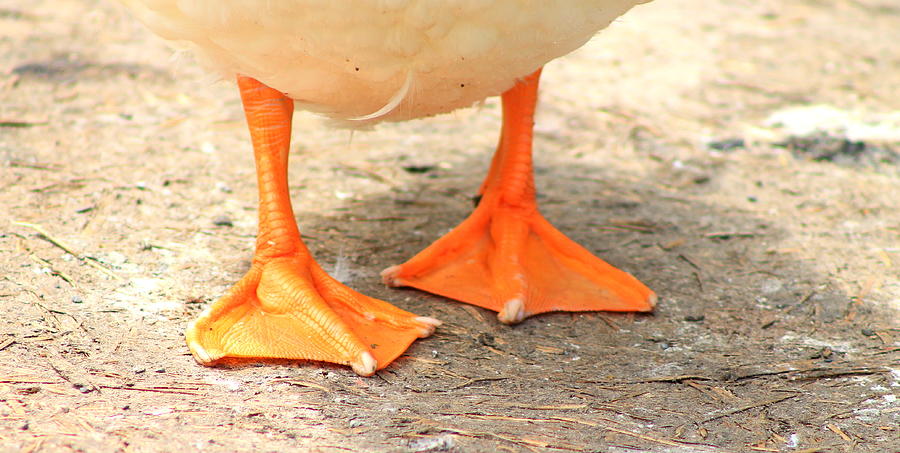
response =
{"points": [[359, 64]]}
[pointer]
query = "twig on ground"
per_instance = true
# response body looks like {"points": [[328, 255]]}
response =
{"points": [[42, 262], [476, 380], [674, 379], [152, 389], [527, 443], [473, 312], [16, 163], [524, 419], [745, 407], [730, 234], [609, 322], [684, 258], [656, 439], [306, 384], [90, 261], [25, 381], [807, 370], [83, 387], [6, 343], [839, 432]]}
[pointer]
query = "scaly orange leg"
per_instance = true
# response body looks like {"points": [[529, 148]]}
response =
{"points": [[286, 306], [506, 257]]}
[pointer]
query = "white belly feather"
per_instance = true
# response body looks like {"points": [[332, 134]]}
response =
{"points": [[381, 59]]}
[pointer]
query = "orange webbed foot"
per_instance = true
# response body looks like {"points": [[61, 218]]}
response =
{"points": [[519, 266], [506, 257], [289, 308]]}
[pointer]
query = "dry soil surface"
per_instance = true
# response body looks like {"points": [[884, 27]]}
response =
{"points": [[740, 157]]}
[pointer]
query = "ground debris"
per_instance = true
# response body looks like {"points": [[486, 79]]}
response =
{"points": [[806, 370], [825, 147], [735, 410]]}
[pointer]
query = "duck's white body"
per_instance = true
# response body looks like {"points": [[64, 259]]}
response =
{"points": [[381, 59]]}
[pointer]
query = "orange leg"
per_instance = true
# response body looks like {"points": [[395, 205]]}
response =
{"points": [[506, 256], [286, 306]]}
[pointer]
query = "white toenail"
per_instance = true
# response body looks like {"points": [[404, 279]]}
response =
{"points": [[388, 276], [365, 365], [513, 311], [430, 325]]}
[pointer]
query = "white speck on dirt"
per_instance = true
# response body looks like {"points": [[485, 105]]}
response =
{"points": [[771, 286], [440, 443], [792, 441], [868, 414], [844, 346], [145, 285], [113, 258], [229, 384], [808, 120]]}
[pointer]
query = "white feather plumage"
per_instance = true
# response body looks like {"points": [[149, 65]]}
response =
{"points": [[373, 60]]}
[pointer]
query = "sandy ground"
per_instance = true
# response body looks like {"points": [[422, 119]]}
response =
{"points": [[677, 146]]}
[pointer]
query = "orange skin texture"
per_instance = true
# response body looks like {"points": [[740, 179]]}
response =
{"points": [[286, 306], [505, 257]]}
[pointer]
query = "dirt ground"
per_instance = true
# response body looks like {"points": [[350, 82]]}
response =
{"points": [[740, 157]]}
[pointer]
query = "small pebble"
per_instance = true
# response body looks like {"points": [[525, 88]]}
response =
{"points": [[222, 221], [694, 318], [440, 443], [418, 168], [77, 300], [868, 332], [727, 144], [486, 339]]}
